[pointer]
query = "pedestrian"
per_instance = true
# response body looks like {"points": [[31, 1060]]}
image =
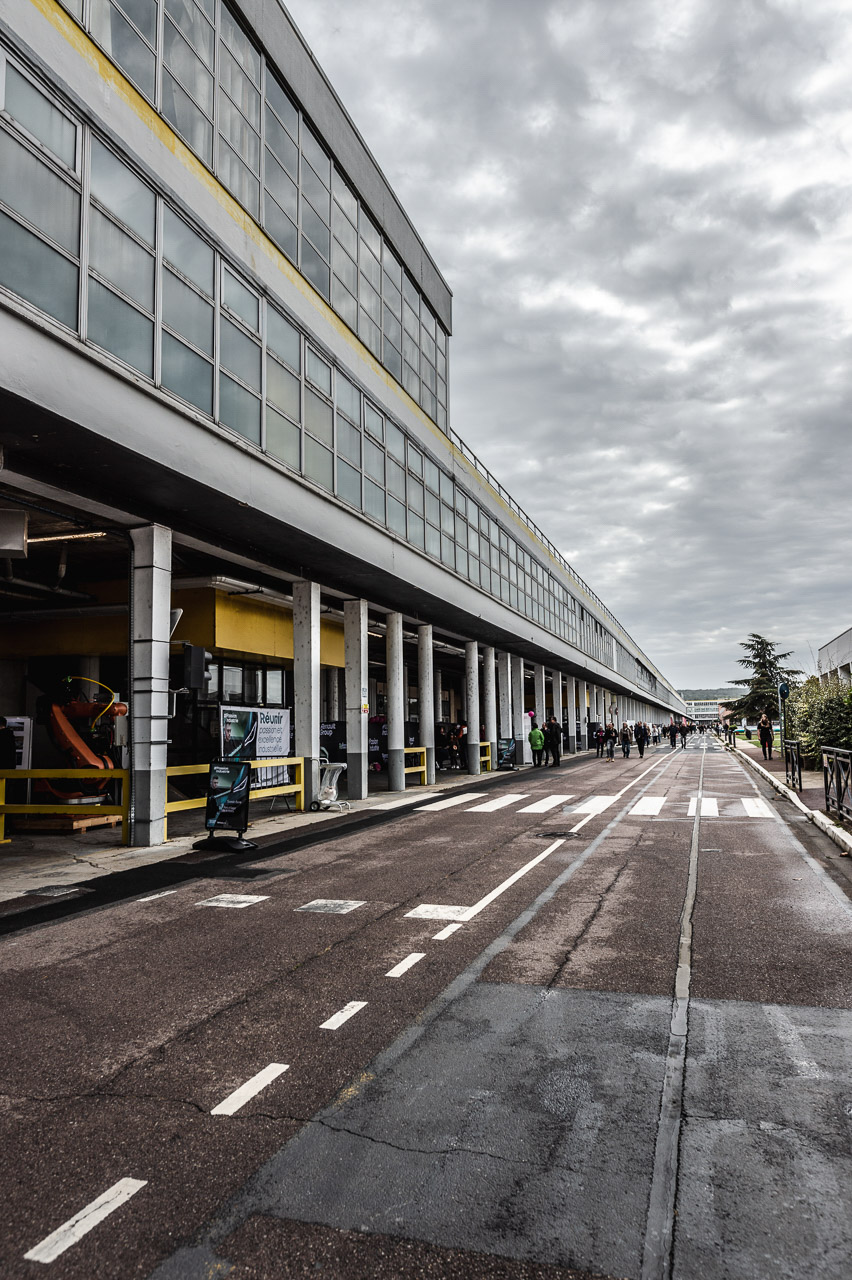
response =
{"points": [[544, 730], [8, 746], [655, 734], [600, 735], [566, 738], [453, 748], [553, 740], [673, 735], [535, 738], [684, 730], [625, 741], [442, 747], [766, 733], [640, 737], [610, 738]]}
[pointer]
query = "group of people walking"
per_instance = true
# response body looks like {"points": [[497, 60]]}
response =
{"points": [[546, 743]]}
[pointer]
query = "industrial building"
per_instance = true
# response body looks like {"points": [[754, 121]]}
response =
{"points": [[224, 374]]}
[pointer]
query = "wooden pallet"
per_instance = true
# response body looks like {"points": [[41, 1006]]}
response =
{"points": [[59, 822]]}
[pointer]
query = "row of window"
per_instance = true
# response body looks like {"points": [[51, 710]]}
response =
{"points": [[86, 240], [197, 66]]}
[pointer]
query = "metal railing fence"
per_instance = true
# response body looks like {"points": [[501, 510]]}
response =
{"points": [[793, 762], [837, 780]]}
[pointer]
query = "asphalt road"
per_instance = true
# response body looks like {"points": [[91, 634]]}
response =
{"points": [[609, 1036]]}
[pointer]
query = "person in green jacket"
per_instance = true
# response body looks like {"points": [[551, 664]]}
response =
{"points": [[536, 741]]}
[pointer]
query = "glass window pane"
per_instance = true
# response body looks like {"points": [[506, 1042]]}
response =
{"points": [[38, 194], [189, 19], [239, 409], [410, 294], [370, 269], [461, 533], [348, 442], [344, 267], [410, 381], [240, 45], [392, 328], [391, 266], [392, 296], [275, 687], [348, 398], [119, 328], [433, 475], [374, 421], [448, 523], [239, 88], [369, 234], [143, 14], [232, 684], [371, 302], [461, 502], [283, 339], [415, 495], [187, 313], [314, 269], [433, 541], [188, 119], [187, 374], [315, 228], [344, 197], [38, 273], [415, 460], [283, 439], [121, 260], [281, 229], [122, 193], [116, 36], [319, 464], [313, 152], [281, 187], [239, 354], [395, 441], [40, 117], [188, 69], [283, 389], [348, 484], [461, 561], [416, 530], [411, 351], [318, 371], [392, 360], [345, 232], [374, 501], [344, 303], [446, 488], [412, 324], [283, 107], [316, 192], [244, 140], [395, 479], [433, 508], [448, 552], [282, 145], [239, 180], [192, 256], [396, 516], [374, 461], [318, 417], [240, 300], [369, 332]]}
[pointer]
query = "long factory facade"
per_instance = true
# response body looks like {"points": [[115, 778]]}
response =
{"points": [[225, 418]]}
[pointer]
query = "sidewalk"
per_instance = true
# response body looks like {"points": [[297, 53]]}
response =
{"points": [[54, 866]]}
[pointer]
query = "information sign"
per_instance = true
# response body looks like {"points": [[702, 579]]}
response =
{"points": [[228, 786], [506, 748]]}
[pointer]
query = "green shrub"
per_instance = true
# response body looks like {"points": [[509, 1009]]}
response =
{"points": [[820, 715]]}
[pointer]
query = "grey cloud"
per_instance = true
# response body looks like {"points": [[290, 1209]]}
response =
{"points": [[643, 212]]}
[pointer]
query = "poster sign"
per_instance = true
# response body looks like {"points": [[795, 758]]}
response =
{"points": [[249, 733], [506, 753], [228, 785]]}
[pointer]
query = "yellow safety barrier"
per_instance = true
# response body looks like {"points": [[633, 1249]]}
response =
{"points": [[420, 768], [485, 756], [69, 810], [296, 788]]}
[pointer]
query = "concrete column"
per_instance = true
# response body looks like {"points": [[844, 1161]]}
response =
{"points": [[540, 693], [439, 690], [556, 683], [396, 711], [519, 717], [504, 686], [426, 695], [489, 696], [306, 679], [357, 697], [149, 703], [471, 683], [571, 704], [333, 693]]}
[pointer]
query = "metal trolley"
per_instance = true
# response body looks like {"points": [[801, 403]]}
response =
{"points": [[329, 782]]}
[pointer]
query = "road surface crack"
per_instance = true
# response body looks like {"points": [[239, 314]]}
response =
{"points": [[583, 934]]}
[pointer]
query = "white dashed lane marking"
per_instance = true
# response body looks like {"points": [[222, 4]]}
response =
{"points": [[83, 1222], [233, 900], [348, 1011], [648, 806], [446, 933], [241, 1096], [757, 809], [332, 906], [709, 807], [404, 965]]}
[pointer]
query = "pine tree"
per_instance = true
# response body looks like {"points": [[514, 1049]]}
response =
{"points": [[766, 675]]}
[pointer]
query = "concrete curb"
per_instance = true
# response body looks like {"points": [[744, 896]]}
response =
{"points": [[843, 839]]}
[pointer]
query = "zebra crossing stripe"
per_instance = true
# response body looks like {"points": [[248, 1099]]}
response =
{"points": [[757, 808], [648, 806], [545, 805], [709, 807], [491, 806]]}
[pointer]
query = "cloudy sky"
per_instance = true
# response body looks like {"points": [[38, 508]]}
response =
{"points": [[643, 211]]}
